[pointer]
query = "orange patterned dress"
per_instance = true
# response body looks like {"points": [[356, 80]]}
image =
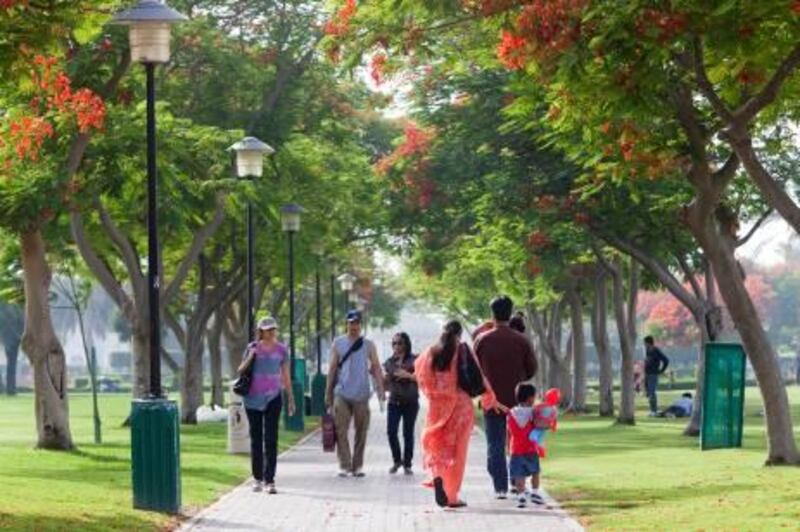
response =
{"points": [[449, 423]]}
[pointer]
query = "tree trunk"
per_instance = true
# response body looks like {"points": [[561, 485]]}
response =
{"points": [[601, 344], [140, 344], [235, 337], [215, 352], [12, 355], [627, 412], [578, 353], [709, 328], [192, 383], [41, 345], [720, 252]]}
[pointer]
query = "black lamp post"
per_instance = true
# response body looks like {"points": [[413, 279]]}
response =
{"points": [[318, 381], [154, 420], [346, 282], [250, 154], [290, 221]]}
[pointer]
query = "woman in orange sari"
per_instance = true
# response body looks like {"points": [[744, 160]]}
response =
{"points": [[451, 416]]}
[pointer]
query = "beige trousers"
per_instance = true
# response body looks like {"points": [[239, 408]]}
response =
{"points": [[343, 412]]}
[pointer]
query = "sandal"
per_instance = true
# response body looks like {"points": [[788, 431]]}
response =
{"points": [[440, 495]]}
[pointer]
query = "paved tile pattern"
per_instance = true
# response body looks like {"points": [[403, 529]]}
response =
{"points": [[312, 498]]}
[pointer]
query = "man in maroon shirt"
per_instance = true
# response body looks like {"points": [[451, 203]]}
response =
{"points": [[506, 357]]}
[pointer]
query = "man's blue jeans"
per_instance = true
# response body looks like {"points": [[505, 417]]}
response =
{"points": [[651, 384], [495, 427]]}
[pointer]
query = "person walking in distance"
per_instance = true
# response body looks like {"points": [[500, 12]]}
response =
{"points": [[263, 402], [655, 363], [506, 357], [403, 401], [353, 360]]}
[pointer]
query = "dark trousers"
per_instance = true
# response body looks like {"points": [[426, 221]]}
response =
{"points": [[650, 384], [408, 414], [264, 440], [495, 427]]}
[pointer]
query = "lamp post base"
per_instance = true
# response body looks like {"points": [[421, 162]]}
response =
{"points": [[318, 395], [296, 423], [155, 455]]}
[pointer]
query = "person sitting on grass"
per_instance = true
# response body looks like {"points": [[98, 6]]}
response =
{"points": [[524, 461], [682, 407]]}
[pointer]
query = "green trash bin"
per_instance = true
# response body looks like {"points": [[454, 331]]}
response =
{"points": [[300, 372], [155, 455], [723, 396], [318, 394]]}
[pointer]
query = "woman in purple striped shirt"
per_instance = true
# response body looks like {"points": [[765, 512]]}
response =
{"points": [[264, 401]]}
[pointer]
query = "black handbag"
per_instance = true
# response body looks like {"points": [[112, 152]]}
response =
{"points": [[470, 377], [241, 386]]}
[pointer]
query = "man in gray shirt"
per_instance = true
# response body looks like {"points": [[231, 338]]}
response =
{"points": [[353, 360]]}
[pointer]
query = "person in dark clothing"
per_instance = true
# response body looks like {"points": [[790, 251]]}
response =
{"points": [[518, 322], [507, 358], [655, 363], [403, 401]]}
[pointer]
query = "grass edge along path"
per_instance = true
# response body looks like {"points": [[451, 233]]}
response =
{"points": [[651, 477], [90, 488]]}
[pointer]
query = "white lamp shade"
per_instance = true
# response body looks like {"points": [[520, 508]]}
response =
{"points": [[249, 163], [347, 281], [290, 217], [150, 42]]}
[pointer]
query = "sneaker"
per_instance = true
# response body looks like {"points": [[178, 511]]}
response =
{"points": [[258, 485], [408, 471], [359, 474], [343, 473], [536, 499], [522, 502], [394, 469], [271, 489], [652, 414], [501, 495], [513, 491]]}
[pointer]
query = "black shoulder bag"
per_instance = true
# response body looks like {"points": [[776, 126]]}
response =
{"points": [[470, 377], [241, 386]]}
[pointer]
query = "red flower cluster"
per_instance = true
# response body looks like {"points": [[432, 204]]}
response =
{"points": [[552, 25], [538, 239], [28, 134], [87, 107], [339, 24], [54, 101], [543, 28], [795, 7], [512, 51], [377, 68]]}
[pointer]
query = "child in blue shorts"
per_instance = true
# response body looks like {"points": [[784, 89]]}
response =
{"points": [[524, 461]]}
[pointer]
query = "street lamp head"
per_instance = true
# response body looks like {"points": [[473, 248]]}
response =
{"points": [[149, 22], [250, 153], [346, 281], [290, 217]]}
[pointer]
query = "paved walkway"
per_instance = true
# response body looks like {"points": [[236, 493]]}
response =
{"points": [[312, 498]]}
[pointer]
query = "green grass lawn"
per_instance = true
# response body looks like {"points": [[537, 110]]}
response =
{"points": [[649, 476], [90, 489]]}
